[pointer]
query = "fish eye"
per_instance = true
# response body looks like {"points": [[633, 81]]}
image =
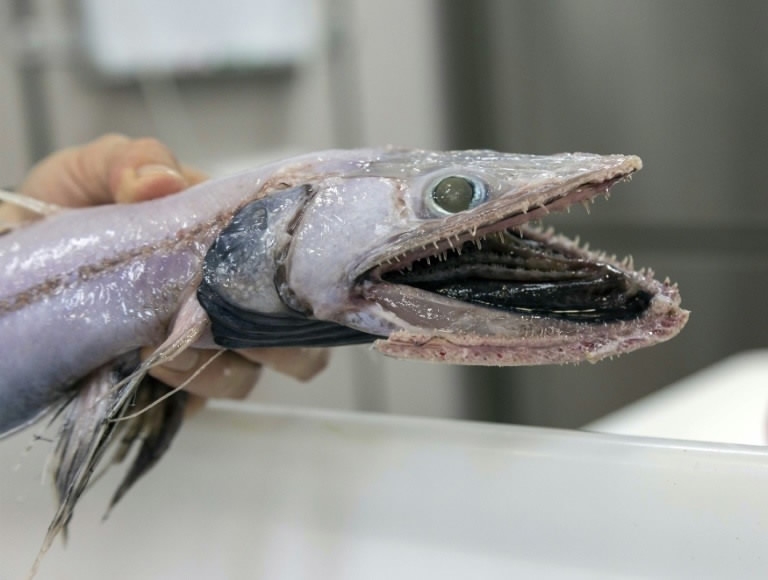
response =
{"points": [[455, 194]]}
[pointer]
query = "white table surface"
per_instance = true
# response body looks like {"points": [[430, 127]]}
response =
{"points": [[253, 492], [727, 402]]}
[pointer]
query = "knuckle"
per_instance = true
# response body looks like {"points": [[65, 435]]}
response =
{"points": [[110, 140], [148, 142]]}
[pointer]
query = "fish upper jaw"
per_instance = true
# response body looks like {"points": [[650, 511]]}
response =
{"points": [[511, 203]]}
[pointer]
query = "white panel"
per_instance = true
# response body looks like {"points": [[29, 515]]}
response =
{"points": [[130, 37], [401, 84], [259, 493], [725, 402]]}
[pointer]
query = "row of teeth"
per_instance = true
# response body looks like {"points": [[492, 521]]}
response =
{"points": [[626, 263], [471, 235], [585, 203], [442, 253]]}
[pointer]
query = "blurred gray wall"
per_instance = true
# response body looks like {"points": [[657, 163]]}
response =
{"points": [[682, 84]]}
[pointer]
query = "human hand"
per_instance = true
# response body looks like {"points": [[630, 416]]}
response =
{"points": [[116, 169]]}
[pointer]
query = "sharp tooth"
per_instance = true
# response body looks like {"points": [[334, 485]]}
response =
{"points": [[585, 203], [479, 244], [428, 262], [436, 246], [450, 243], [500, 236], [577, 241], [586, 247], [474, 230]]}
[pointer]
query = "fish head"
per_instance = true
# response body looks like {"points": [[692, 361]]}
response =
{"points": [[434, 254]]}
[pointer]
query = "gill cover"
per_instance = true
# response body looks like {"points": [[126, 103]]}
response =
{"points": [[238, 290]]}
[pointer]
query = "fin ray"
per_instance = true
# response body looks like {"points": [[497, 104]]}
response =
{"points": [[32, 204]]}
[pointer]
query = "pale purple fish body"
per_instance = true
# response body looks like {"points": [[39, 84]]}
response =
{"points": [[81, 287], [430, 255]]}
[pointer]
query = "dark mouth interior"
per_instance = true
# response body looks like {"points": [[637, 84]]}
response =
{"points": [[515, 272]]}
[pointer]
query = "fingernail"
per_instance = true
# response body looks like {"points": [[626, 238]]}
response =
{"points": [[148, 182], [157, 169], [185, 361]]}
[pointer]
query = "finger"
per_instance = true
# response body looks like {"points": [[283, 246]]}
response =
{"points": [[13, 215], [228, 376], [194, 405], [192, 175], [144, 169], [76, 176], [111, 168], [299, 363]]}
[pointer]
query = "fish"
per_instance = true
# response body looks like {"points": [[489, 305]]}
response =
{"points": [[425, 255]]}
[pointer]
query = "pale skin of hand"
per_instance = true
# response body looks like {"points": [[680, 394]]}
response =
{"points": [[116, 169]]}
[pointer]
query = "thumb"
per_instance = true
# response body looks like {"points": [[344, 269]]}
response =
{"points": [[110, 169]]}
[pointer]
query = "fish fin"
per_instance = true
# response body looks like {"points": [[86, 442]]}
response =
{"points": [[86, 430], [32, 204], [118, 398], [155, 429], [92, 422], [189, 325]]}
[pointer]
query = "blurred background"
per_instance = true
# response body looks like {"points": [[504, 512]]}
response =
{"points": [[229, 84]]}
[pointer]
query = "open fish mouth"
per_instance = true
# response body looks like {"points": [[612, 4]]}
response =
{"points": [[528, 271], [487, 286], [519, 268]]}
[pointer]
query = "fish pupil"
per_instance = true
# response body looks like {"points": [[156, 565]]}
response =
{"points": [[454, 194]]}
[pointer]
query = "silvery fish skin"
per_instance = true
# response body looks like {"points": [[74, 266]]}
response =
{"points": [[427, 254]]}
